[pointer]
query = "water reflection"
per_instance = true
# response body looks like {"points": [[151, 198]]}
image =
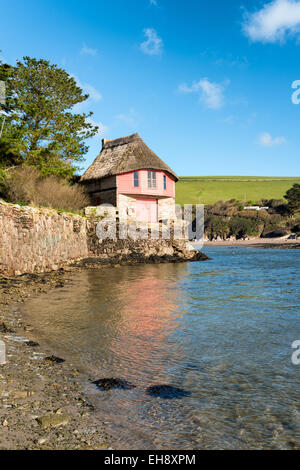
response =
{"points": [[221, 331], [128, 313]]}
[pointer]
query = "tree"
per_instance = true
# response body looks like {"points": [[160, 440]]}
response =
{"points": [[293, 198], [41, 130], [242, 226], [216, 226]]}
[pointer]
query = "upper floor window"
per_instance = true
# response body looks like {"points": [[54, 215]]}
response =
{"points": [[151, 179], [136, 179], [165, 182]]}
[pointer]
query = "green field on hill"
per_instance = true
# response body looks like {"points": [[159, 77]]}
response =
{"points": [[210, 189]]}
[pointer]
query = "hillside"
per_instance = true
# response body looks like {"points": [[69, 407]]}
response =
{"points": [[210, 189]]}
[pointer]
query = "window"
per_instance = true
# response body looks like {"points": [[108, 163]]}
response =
{"points": [[136, 179], [151, 179], [165, 182]]}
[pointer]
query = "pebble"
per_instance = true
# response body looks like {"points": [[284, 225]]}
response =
{"points": [[42, 441], [53, 421], [21, 394]]}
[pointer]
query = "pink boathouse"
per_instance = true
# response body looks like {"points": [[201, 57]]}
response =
{"points": [[130, 176]]}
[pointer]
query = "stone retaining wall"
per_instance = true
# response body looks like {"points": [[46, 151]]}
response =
{"points": [[38, 240]]}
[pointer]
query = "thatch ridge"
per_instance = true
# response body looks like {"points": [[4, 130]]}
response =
{"points": [[122, 155]]}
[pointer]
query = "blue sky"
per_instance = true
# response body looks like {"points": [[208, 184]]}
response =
{"points": [[207, 85]]}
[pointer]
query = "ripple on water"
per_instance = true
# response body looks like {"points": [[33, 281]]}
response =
{"points": [[218, 333]]}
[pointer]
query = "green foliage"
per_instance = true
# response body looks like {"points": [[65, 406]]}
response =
{"points": [[2, 183], [225, 219], [216, 227], [293, 198], [41, 130], [241, 227], [296, 228]]}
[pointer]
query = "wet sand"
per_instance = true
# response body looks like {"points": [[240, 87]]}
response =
{"points": [[257, 242], [42, 405]]}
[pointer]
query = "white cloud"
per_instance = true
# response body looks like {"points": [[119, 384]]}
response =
{"points": [[266, 140], [130, 119], [153, 44], [228, 120], [88, 50], [274, 21], [95, 95], [102, 129], [210, 93]]}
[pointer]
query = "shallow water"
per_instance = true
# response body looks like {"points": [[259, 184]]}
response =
{"points": [[220, 330]]}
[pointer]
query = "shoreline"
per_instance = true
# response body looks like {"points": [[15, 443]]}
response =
{"points": [[257, 242], [43, 405]]}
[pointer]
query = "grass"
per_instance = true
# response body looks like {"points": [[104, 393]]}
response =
{"points": [[210, 189]]}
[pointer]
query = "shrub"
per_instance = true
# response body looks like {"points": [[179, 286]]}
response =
{"points": [[273, 203], [21, 185], [296, 228], [216, 227], [275, 220], [293, 198], [241, 227], [26, 185], [2, 183], [277, 206], [53, 193]]}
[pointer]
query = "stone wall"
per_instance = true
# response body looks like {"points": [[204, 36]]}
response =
{"points": [[38, 240], [166, 208], [125, 202], [141, 249]]}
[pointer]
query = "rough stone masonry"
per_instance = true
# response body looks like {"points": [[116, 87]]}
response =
{"points": [[36, 240]]}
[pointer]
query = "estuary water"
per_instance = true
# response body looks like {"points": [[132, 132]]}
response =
{"points": [[220, 330]]}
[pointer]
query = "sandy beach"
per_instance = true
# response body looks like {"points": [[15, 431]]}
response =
{"points": [[257, 242]]}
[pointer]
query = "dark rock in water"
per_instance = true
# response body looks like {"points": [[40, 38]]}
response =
{"points": [[199, 256], [168, 392], [32, 344], [109, 384], [54, 359], [5, 329]]}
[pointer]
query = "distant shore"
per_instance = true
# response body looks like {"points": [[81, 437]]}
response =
{"points": [[257, 242]]}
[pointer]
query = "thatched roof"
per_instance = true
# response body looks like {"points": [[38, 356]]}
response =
{"points": [[123, 155]]}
